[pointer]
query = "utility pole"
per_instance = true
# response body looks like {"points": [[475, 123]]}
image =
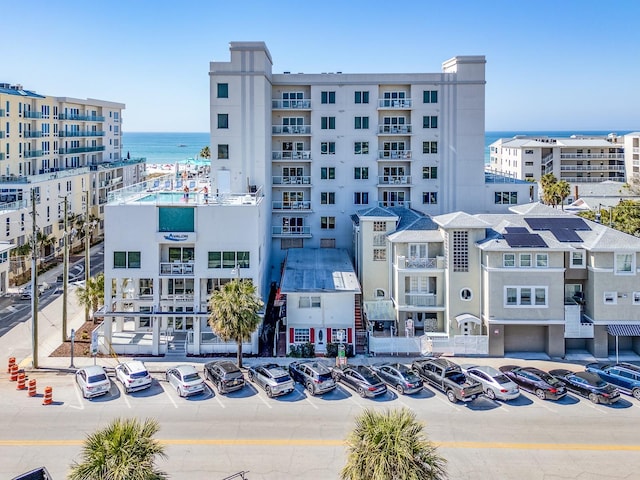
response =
{"points": [[87, 246], [65, 270], [34, 280]]}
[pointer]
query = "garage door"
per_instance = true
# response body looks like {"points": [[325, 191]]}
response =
{"points": [[524, 338]]}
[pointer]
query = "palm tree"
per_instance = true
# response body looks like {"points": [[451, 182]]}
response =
{"points": [[20, 253], [562, 190], [234, 312], [124, 450], [91, 295], [44, 241], [205, 153], [547, 183], [391, 445]]}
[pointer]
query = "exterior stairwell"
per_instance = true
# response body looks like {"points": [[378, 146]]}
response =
{"points": [[361, 332], [176, 345]]}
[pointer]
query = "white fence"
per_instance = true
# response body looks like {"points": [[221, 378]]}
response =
{"points": [[457, 345]]}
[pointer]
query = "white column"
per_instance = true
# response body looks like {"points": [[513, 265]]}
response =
{"points": [[155, 337], [197, 328]]}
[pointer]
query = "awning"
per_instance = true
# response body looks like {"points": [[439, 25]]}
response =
{"points": [[467, 317], [380, 311], [622, 330]]}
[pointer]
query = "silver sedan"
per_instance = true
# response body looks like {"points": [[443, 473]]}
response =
{"points": [[496, 385], [273, 378]]}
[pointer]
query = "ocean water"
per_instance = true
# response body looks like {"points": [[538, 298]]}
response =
{"points": [[169, 148]]}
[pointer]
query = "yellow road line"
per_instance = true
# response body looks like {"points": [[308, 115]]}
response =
{"points": [[298, 442]]}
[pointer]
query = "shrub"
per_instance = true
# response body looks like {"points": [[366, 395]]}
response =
{"points": [[332, 350], [304, 350]]}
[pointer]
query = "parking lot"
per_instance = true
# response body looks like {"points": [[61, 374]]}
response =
{"points": [[300, 434]]}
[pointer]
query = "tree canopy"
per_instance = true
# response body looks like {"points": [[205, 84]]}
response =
{"points": [[625, 216], [554, 192]]}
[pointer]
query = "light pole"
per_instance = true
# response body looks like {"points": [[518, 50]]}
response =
{"points": [[34, 280], [88, 227], [65, 273]]}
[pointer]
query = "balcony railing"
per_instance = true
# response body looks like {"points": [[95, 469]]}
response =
{"points": [[394, 154], [416, 262], [394, 203], [304, 104], [83, 133], [394, 103], [394, 180], [287, 155], [33, 153], [295, 231], [32, 134], [301, 205], [291, 129], [291, 180], [30, 114], [67, 151], [593, 156], [420, 299], [176, 268], [592, 168], [394, 129], [591, 179], [83, 118]]}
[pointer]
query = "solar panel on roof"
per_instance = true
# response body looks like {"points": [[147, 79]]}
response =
{"points": [[553, 223], [521, 240], [566, 235], [516, 230]]}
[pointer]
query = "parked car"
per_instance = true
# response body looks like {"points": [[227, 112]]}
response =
{"points": [[93, 381], [133, 375], [496, 385], [399, 376], [589, 385], [273, 378], [534, 380], [625, 376], [361, 379], [315, 376], [185, 379], [225, 375], [25, 292], [447, 377]]}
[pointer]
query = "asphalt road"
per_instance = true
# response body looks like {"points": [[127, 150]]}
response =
{"points": [[297, 436], [15, 310]]}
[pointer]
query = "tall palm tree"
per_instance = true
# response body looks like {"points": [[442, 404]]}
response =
{"points": [[391, 445], [234, 312], [562, 190], [547, 183], [91, 295], [44, 241], [123, 450], [205, 152]]}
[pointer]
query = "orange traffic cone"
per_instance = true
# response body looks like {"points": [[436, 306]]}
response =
{"points": [[12, 361], [32, 387], [13, 373], [48, 396], [21, 381]]}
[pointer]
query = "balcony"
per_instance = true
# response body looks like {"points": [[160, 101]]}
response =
{"points": [[302, 104], [32, 134], [420, 299], [33, 153], [593, 156], [291, 231], [403, 262], [304, 205], [176, 268], [30, 114], [398, 103], [288, 155], [394, 154], [83, 133], [83, 118], [291, 180], [592, 168], [394, 129], [592, 179], [68, 151], [291, 129], [394, 180], [394, 203]]}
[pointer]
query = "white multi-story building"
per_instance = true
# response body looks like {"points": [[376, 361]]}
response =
{"points": [[632, 158], [577, 159], [58, 147]]}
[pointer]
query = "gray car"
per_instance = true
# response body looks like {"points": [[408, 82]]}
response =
{"points": [[273, 378], [315, 376], [496, 385], [93, 381], [399, 376], [185, 379]]}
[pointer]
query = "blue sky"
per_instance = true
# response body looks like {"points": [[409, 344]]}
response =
{"points": [[551, 65]]}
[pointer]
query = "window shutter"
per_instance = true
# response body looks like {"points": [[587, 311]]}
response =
{"points": [[349, 335], [291, 337], [328, 335], [311, 335]]}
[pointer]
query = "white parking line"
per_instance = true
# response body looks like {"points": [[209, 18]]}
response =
{"points": [[79, 396], [217, 397], [310, 402], [447, 402], [263, 400], [168, 394], [124, 396]]}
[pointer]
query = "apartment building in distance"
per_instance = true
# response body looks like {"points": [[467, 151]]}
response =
{"points": [[632, 158], [58, 147], [576, 159]]}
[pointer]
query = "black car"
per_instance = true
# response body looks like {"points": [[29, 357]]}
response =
{"points": [[589, 385], [225, 375], [399, 376], [315, 376], [361, 379], [534, 380]]}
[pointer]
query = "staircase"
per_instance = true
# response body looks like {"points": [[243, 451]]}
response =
{"points": [[361, 332], [176, 345]]}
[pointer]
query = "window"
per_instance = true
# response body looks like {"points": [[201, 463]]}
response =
{"points": [[430, 198], [379, 226], [430, 121], [361, 198], [525, 260], [542, 260], [525, 296], [636, 298], [429, 147], [301, 335], [327, 198], [430, 96], [508, 260], [361, 148], [379, 254], [328, 97], [361, 123], [466, 294], [361, 97], [327, 243], [361, 173], [429, 173], [460, 251], [223, 120], [625, 264], [133, 259], [610, 298], [327, 223], [223, 152], [578, 259], [309, 302], [506, 198], [327, 173], [126, 259], [223, 90], [528, 152], [328, 148], [228, 260], [328, 123]]}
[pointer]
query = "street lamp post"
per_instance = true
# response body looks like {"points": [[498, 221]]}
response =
{"points": [[34, 280], [73, 337]]}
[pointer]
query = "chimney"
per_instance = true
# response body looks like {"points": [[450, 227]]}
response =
{"points": [[576, 194]]}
